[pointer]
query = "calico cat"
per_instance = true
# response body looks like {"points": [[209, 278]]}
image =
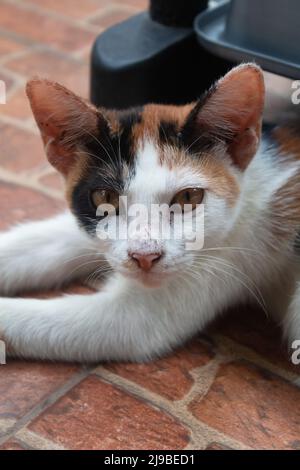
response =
{"points": [[157, 293]]}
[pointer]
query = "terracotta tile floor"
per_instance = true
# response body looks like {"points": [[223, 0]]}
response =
{"points": [[232, 387]]}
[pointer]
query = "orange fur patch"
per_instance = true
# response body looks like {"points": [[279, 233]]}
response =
{"points": [[154, 114], [112, 120]]}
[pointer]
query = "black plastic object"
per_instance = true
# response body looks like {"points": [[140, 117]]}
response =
{"points": [[267, 31], [176, 12], [141, 61]]}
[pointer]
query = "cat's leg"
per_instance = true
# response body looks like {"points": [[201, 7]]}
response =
{"points": [[44, 254], [122, 322]]}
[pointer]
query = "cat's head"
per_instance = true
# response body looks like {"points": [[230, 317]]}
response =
{"points": [[185, 155]]}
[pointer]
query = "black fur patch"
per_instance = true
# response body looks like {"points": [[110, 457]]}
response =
{"points": [[107, 151], [128, 119], [82, 205], [168, 132]]}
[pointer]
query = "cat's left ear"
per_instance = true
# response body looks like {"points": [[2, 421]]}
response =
{"points": [[64, 119], [231, 112]]}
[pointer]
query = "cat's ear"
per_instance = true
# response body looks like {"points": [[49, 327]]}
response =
{"points": [[231, 112], [63, 119]]}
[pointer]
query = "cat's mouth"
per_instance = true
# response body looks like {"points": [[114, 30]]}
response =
{"points": [[151, 279]]}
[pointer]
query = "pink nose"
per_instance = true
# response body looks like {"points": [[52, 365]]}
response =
{"points": [[145, 261]]}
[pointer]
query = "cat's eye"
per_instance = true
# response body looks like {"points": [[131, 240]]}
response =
{"points": [[190, 196], [105, 196]]}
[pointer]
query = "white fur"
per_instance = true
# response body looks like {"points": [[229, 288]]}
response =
{"points": [[292, 319], [127, 320]]}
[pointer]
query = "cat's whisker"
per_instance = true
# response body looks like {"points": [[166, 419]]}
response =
{"points": [[84, 255], [100, 271], [221, 262], [108, 139], [242, 250], [225, 263], [97, 157], [250, 290], [102, 146], [195, 275], [79, 267], [236, 248]]}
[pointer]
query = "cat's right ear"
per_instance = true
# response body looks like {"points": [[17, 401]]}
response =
{"points": [[63, 119]]}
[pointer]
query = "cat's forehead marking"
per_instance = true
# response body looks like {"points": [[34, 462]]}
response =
{"points": [[140, 150], [126, 131], [160, 123], [151, 149]]}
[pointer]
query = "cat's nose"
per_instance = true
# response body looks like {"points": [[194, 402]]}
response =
{"points": [[145, 261]]}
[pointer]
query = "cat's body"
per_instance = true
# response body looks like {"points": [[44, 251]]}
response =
{"points": [[157, 294]]}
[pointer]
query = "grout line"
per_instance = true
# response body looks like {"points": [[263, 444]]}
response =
{"points": [[112, 8], [240, 352], [70, 21], [18, 428], [17, 55], [105, 9], [23, 180], [21, 443], [31, 43], [35, 441], [19, 82], [45, 48], [204, 377], [78, 55], [24, 125], [23, 40], [13, 75], [6, 424], [201, 435], [13, 89]]}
